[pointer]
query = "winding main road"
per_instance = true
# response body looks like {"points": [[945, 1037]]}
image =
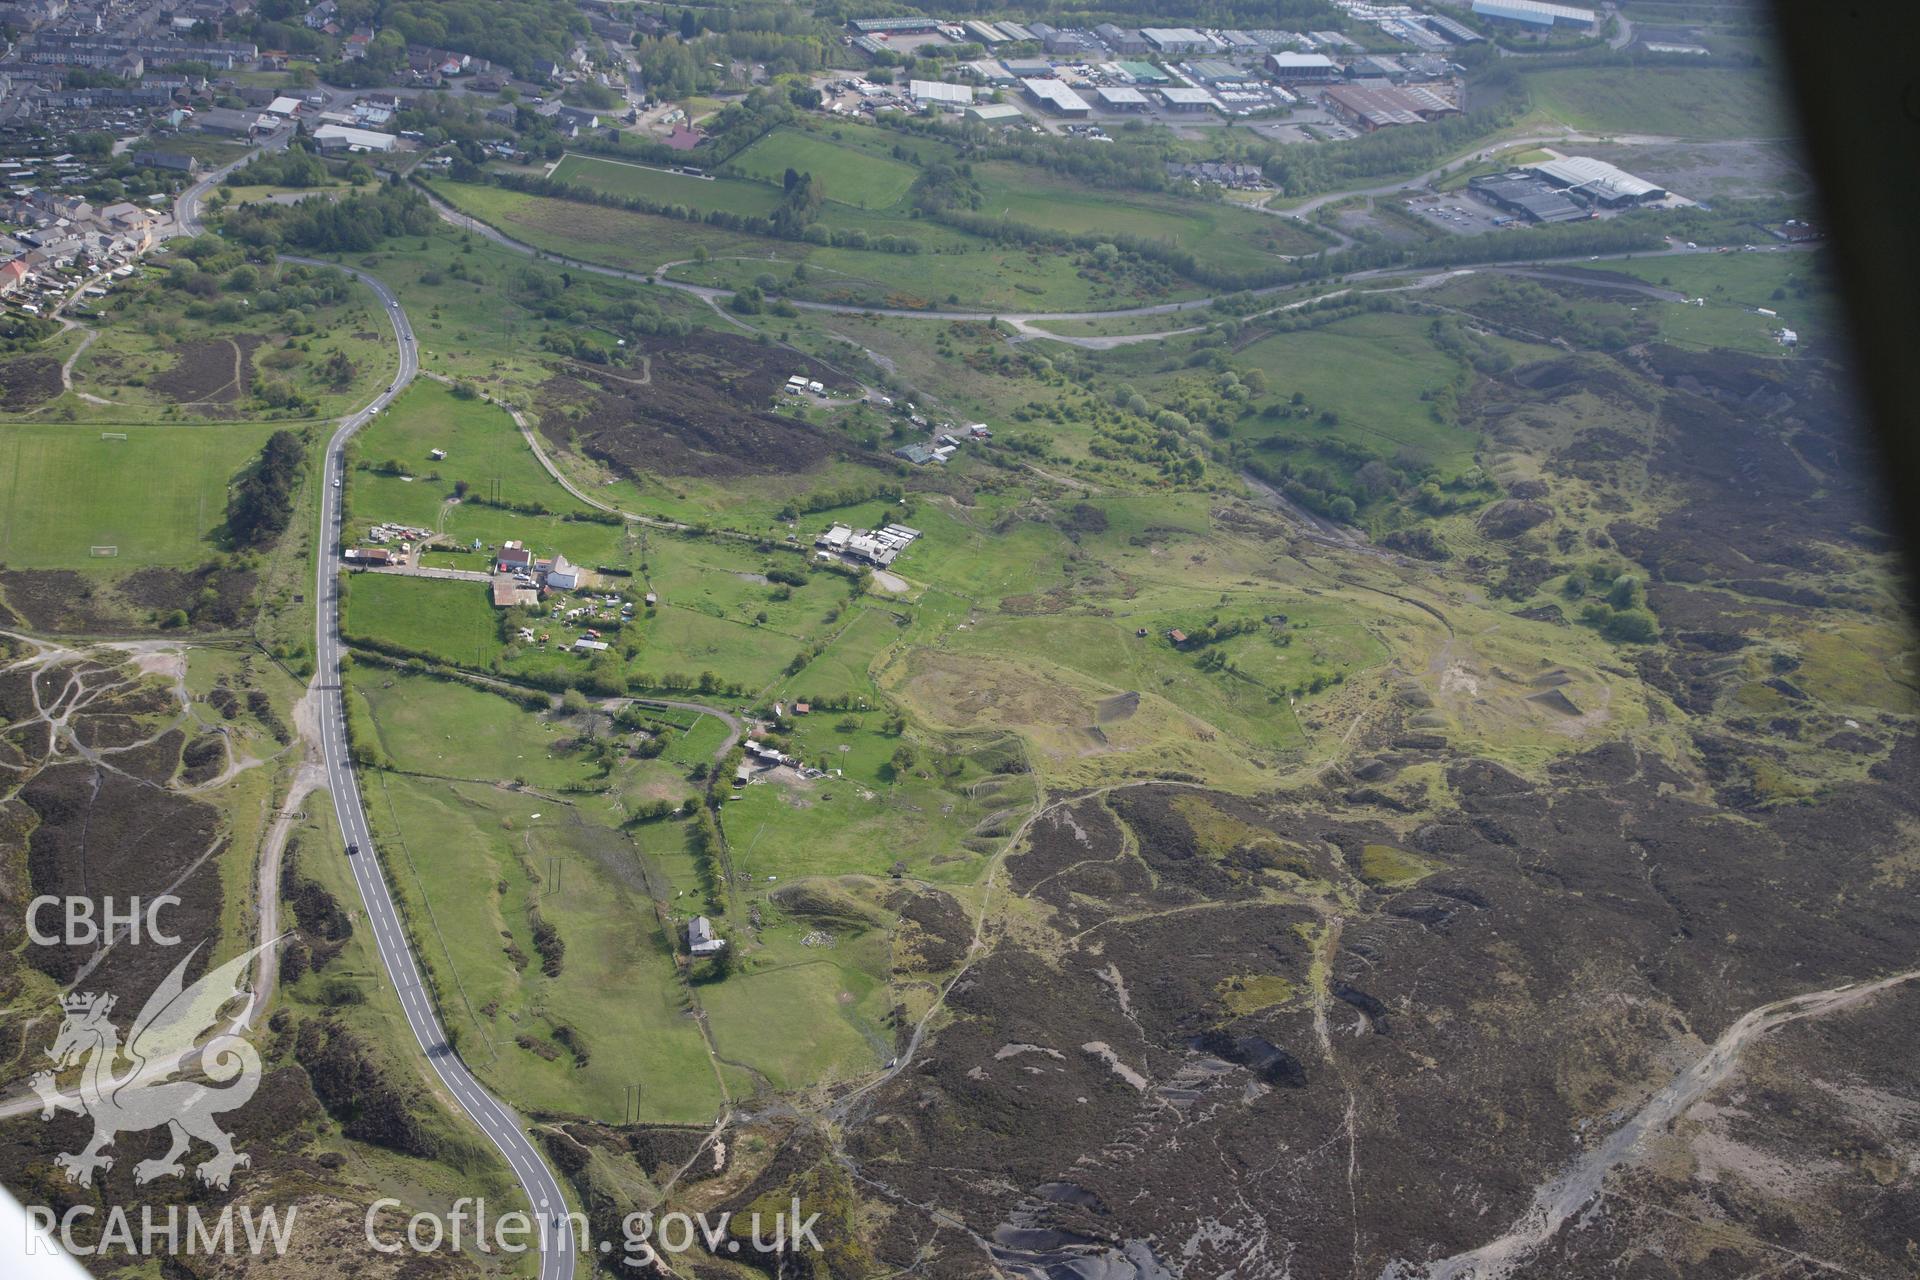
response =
{"points": [[558, 1248]]}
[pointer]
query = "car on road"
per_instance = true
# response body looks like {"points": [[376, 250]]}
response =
{"points": [[336, 482], [352, 849]]}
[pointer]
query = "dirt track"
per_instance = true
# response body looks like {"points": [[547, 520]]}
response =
{"points": [[1569, 1191]]}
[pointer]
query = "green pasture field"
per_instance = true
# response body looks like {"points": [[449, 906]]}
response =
{"points": [[746, 503], [482, 444], [374, 1015], [470, 861], [748, 196], [160, 495], [620, 178], [793, 1025], [1011, 280], [688, 641], [1719, 325], [970, 558], [842, 668], [453, 730], [1224, 236], [1371, 371], [1735, 283], [843, 174], [590, 233], [846, 826], [454, 620], [955, 271], [722, 578], [1684, 102]]}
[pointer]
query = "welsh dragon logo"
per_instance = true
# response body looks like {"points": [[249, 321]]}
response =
{"points": [[160, 1046]]}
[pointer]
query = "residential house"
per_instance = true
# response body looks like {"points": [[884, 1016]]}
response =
{"points": [[701, 940], [562, 575]]}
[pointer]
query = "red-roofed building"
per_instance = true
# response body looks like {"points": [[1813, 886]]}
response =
{"points": [[11, 274]]}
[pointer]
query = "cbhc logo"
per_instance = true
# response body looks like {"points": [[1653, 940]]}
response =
{"points": [[86, 926]]}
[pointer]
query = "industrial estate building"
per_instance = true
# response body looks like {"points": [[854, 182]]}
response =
{"points": [[1292, 67], [1527, 196], [1176, 39], [1057, 97], [1121, 98], [1534, 13], [1598, 181], [935, 93], [1370, 107], [1187, 98]]}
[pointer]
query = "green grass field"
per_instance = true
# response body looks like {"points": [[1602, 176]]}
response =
{"points": [[844, 174], [353, 990], [471, 862], [159, 496], [615, 177], [1370, 370], [1704, 102], [841, 669], [955, 270], [1221, 235], [797, 1025], [454, 620], [483, 446], [634, 241], [457, 731]]}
